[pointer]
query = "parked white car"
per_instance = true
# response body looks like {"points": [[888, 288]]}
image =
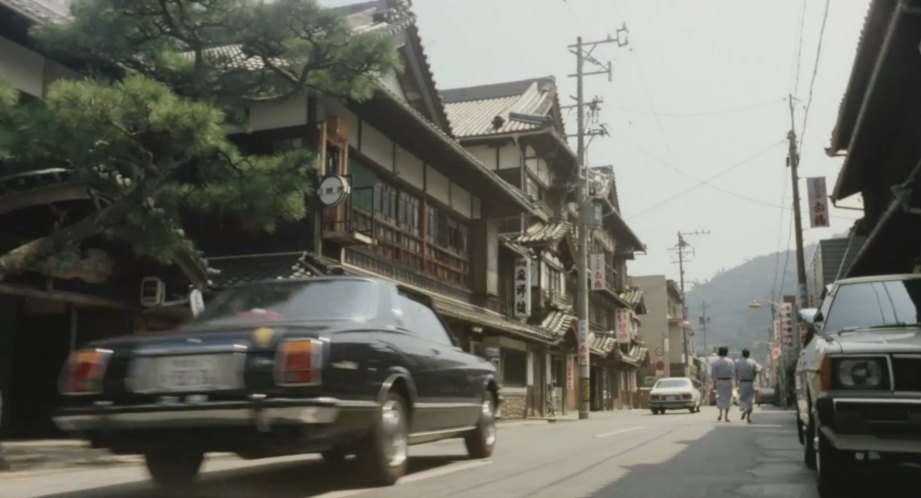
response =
{"points": [[858, 380], [674, 393]]}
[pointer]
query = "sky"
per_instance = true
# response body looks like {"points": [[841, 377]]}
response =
{"points": [[697, 107]]}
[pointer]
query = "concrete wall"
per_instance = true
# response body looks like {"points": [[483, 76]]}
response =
{"points": [[654, 327]]}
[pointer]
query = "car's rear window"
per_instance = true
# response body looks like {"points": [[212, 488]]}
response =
{"points": [[292, 302], [671, 383]]}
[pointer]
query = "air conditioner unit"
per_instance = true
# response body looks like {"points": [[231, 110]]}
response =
{"points": [[153, 292]]}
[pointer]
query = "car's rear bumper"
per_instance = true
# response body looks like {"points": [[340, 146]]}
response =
{"points": [[869, 442], [259, 414], [685, 403]]}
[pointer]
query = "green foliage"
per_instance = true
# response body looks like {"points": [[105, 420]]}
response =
{"points": [[166, 74]]}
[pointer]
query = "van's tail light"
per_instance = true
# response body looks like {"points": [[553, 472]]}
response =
{"points": [[826, 373], [84, 372], [299, 362]]}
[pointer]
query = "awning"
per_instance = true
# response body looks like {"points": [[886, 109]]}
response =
{"points": [[557, 322], [489, 319], [545, 233]]}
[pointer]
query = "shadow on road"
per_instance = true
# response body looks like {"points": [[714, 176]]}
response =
{"points": [[771, 467], [282, 480]]}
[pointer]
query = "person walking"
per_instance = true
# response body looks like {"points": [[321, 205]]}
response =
{"points": [[746, 371], [722, 370]]}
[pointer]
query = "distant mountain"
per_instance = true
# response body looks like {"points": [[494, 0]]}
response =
{"points": [[727, 295]]}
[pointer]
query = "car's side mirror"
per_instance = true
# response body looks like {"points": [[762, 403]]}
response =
{"points": [[809, 315]]}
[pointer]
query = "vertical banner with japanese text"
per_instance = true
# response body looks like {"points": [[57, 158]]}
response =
{"points": [[818, 202], [522, 288], [597, 275], [623, 326]]}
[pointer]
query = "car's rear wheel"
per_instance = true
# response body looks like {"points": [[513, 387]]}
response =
{"points": [[809, 447], [830, 465], [692, 409], [385, 454], [799, 427], [174, 470], [481, 441]]}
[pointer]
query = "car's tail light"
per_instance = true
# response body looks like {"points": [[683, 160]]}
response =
{"points": [[686, 396], [84, 372], [654, 397], [299, 362], [826, 373]]}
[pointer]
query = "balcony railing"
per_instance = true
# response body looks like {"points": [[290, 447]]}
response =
{"points": [[363, 259]]}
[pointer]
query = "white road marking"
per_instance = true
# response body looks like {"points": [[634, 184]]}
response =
{"points": [[614, 433], [419, 476]]}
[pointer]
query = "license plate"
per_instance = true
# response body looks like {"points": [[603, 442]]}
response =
{"points": [[189, 373], [673, 398]]}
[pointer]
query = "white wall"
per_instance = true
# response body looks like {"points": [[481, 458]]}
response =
{"points": [[280, 114], [437, 185], [22, 67], [392, 83], [376, 146], [509, 157], [485, 154], [460, 201], [410, 168]]}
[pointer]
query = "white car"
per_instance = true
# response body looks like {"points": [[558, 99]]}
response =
{"points": [[674, 393]]}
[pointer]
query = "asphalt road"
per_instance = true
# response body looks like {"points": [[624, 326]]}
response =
{"points": [[628, 454]]}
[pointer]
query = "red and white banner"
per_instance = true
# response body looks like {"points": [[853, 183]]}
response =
{"points": [[597, 271], [622, 332], [818, 202]]}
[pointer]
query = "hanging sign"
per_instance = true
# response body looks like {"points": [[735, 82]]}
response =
{"points": [[818, 202], [597, 271], [522, 288], [583, 341], [623, 326], [333, 190]]}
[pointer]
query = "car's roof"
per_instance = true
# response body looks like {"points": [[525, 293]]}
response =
{"points": [[879, 278], [674, 378]]}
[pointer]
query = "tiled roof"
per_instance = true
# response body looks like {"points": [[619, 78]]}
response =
{"points": [[491, 319], [557, 322], [40, 10], [501, 108], [602, 344], [238, 270], [634, 297], [544, 233]]}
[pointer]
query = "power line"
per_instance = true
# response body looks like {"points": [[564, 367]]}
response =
{"points": [[815, 72], [783, 212], [707, 180], [652, 105], [799, 48], [702, 113]]}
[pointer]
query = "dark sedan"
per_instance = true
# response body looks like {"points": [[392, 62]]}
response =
{"points": [[332, 365]]}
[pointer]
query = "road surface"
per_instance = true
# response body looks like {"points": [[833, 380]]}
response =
{"points": [[629, 454]]}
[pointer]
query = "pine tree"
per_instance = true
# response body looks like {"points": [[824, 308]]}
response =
{"points": [[148, 127]]}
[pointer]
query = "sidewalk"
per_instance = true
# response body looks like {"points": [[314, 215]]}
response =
{"points": [[58, 453]]}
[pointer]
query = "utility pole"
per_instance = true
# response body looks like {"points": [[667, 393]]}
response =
{"points": [[681, 248], [704, 319], [583, 52], [793, 162]]}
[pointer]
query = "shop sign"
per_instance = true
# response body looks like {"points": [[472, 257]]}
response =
{"points": [[597, 272], [818, 202], [93, 266], [522, 288], [583, 341], [623, 326], [571, 371], [333, 190]]}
